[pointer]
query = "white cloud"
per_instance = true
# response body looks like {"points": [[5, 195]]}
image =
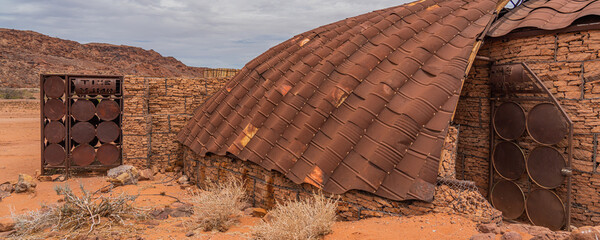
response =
{"points": [[223, 33]]}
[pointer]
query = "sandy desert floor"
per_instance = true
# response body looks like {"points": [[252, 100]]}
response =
{"points": [[20, 153]]}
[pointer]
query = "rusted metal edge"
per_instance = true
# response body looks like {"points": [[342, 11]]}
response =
{"points": [[536, 32]]}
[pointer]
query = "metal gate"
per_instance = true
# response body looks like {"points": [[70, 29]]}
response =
{"points": [[81, 118], [531, 149]]}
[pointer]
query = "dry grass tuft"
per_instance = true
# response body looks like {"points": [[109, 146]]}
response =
{"points": [[310, 218], [77, 212], [219, 206]]}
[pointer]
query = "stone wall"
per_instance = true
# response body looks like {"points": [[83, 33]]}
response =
{"points": [[569, 66], [267, 188], [155, 109]]}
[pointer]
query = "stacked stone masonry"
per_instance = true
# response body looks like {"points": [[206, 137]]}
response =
{"points": [[569, 66], [268, 188], [155, 110]]}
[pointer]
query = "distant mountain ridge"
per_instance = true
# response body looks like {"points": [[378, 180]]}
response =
{"points": [[26, 54]]}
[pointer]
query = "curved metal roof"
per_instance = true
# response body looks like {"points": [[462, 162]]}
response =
{"points": [[544, 14], [363, 103]]}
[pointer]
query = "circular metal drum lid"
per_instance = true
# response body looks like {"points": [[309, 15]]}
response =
{"points": [[544, 208], [54, 132], [108, 110], [54, 109], [108, 154], [83, 155], [83, 132], [544, 165], [508, 160], [546, 124], [509, 121], [54, 87], [108, 131], [54, 155], [508, 198], [83, 110]]}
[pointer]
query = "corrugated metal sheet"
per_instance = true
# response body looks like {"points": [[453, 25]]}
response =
{"points": [[363, 103], [544, 14]]}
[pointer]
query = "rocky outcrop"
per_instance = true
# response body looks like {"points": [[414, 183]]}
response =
{"points": [[26, 54]]}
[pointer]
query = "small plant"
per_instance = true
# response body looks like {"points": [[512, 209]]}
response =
{"points": [[219, 206], [310, 218], [77, 212]]}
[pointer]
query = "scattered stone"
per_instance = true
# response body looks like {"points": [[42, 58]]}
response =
{"points": [[25, 184], [146, 174], [488, 228], [7, 225], [182, 210], [44, 178], [59, 178], [255, 212], [511, 236], [123, 175], [189, 234], [161, 213], [483, 236], [177, 169], [183, 179], [7, 187], [155, 170], [585, 233]]}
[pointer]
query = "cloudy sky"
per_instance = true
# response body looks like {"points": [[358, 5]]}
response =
{"points": [[218, 33]]}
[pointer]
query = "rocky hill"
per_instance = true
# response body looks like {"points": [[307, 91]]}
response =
{"points": [[26, 54]]}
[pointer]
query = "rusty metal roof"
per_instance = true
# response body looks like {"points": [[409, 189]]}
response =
{"points": [[363, 103], [544, 14]]}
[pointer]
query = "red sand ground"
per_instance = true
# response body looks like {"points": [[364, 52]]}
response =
{"points": [[20, 153]]}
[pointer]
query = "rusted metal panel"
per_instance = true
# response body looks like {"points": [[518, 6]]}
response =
{"points": [[363, 103], [81, 119], [543, 14], [508, 197], [545, 208], [509, 121], [91, 85], [83, 110], [508, 160], [545, 165], [108, 110], [55, 132], [546, 125]]}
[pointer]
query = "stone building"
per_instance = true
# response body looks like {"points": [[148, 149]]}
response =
{"points": [[394, 111]]}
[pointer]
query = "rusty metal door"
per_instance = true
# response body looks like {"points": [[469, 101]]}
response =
{"points": [[81, 118]]}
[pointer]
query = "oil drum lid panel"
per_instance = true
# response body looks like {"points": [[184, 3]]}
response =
{"points": [[54, 154], [508, 160], [508, 198], [544, 208], [54, 132], [108, 154], [546, 124], [509, 121], [544, 165], [83, 155], [83, 110], [54, 109], [108, 131], [54, 87], [108, 110], [83, 132]]}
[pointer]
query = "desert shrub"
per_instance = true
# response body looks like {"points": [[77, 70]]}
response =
{"points": [[11, 93], [310, 218], [77, 212], [219, 206]]}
